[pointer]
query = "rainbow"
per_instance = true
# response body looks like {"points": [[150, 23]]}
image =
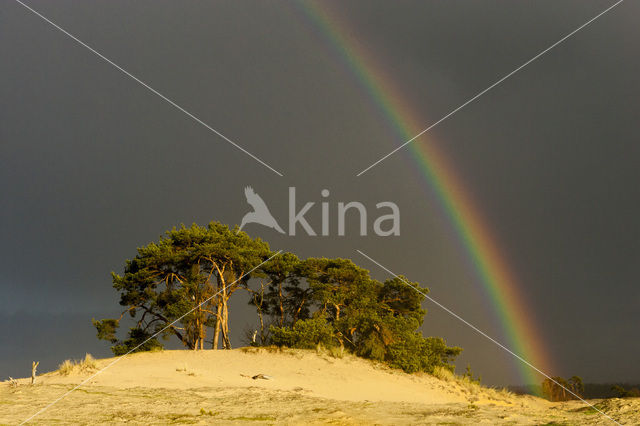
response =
{"points": [[499, 284]]}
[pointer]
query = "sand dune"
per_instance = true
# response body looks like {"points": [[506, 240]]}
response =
{"points": [[295, 387]]}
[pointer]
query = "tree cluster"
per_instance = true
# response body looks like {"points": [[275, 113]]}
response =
{"points": [[621, 392], [342, 306], [558, 388], [181, 286]]}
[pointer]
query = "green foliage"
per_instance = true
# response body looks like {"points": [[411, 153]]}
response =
{"points": [[138, 341], [286, 300], [107, 329], [416, 353], [305, 334]]}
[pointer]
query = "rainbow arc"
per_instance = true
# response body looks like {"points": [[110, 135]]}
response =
{"points": [[498, 282]]}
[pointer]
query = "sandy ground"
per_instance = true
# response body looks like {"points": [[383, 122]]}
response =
{"points": [[302, 387]]}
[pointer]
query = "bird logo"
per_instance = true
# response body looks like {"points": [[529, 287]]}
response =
{"points": [[260, 213]]}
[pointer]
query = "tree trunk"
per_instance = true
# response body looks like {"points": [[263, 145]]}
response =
{"points": [[281, 306], [202, 331], [261, 327], [216, 330], [339, 333], [295, 316], [34, 365], [216, 335], [226, 343], [225, 312], [196, 343]]}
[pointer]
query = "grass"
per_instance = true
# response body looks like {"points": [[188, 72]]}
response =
{"points": [[151, 417], [555, 424], [66, 367], [272, 349], [332, 351], [443, 374], [259, 418], [268, 349], [86, 365], [204, 412], [471, 386], [591, 410]]}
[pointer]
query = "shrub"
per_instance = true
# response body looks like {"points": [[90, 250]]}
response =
{"points": [[417, 353], [305, 334]]}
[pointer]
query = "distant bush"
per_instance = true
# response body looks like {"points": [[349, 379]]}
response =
{"points": [[468, 375], [625, 393]]}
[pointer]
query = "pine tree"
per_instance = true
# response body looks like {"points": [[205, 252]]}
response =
{"points": [[190, 273]]}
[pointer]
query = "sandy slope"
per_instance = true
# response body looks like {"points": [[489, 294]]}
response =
{"points": [[217, 387]]}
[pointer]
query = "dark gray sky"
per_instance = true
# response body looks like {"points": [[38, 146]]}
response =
{"points": [[92, 165]]}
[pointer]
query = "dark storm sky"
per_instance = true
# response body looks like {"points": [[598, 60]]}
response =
{"points": [[92, 165]]}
